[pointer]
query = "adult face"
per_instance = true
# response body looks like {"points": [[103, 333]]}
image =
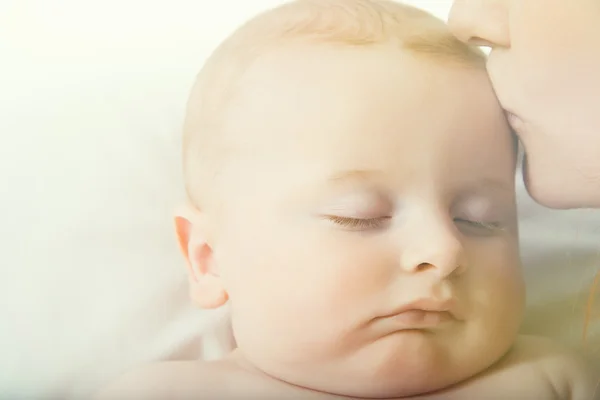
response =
{"points": [[545, 68]]}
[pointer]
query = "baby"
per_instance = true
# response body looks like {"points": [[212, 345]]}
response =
{"points": [[351, 185]]}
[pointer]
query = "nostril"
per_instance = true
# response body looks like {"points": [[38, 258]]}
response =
{"points": [[423, 267]]}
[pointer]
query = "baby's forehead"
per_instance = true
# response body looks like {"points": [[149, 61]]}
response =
{"points": [[344, 80], [315, 68], [349, 104]]}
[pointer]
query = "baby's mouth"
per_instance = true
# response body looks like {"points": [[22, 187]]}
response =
{"points": [[422, 314], [422, 319]]}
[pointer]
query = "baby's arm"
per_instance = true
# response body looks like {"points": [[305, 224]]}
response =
{"points": [[581, 378], [535, 368], [572, 376], [159, 381], [144, 383]]}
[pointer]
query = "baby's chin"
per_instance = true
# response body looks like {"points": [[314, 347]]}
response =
{"points": [[406, 368]]}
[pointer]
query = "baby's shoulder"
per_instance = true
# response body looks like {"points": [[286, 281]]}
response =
{"points": [[171, 380], [567, 371]]}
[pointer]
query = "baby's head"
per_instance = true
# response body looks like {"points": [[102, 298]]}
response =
{"points": [[347, 161]]}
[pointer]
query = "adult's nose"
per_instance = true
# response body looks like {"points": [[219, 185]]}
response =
{"points": [[481, 22]]}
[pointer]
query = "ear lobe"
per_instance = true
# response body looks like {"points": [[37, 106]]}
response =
{"points": [[206, 289], [208, 292]]}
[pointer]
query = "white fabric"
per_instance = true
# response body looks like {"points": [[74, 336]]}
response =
{"points": [[561, 256], [91, 282]]}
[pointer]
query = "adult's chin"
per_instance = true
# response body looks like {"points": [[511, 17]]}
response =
{"points": [[555, 185]]}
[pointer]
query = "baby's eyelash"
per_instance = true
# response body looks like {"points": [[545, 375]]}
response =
{"points": [[375, 223], [480, 224], [358, 223]]}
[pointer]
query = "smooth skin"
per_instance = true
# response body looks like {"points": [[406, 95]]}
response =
{"points": [[371, 206], [545, 69]]}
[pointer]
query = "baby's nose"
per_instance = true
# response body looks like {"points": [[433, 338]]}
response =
{"points": [[436, 250]]}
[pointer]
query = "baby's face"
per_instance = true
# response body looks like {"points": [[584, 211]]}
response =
{"points": [[363, 181]]}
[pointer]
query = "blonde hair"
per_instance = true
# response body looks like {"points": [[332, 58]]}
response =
{"points": [[357, 23]]}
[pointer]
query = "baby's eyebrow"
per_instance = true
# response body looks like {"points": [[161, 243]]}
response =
{"points": [[374, 176], [494, 184], [355, 175]]}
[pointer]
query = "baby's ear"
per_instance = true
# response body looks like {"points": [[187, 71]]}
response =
{"points": [[206, 289]]}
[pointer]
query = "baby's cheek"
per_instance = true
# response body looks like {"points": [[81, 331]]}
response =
{"points": [[498, 295], [334, 282], [354, 270]]}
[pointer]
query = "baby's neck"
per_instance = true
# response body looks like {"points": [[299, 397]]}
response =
{"points": [[271, 387]]}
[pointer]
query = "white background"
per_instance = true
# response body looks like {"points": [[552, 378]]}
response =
{"points": [[91, 104]]}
